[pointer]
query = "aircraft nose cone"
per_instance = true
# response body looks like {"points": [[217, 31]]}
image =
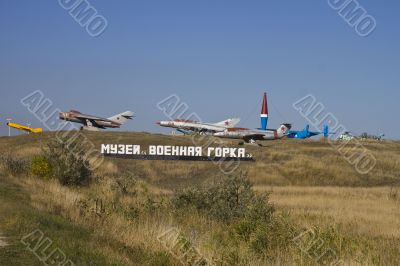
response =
{"points": [[158, 123]]}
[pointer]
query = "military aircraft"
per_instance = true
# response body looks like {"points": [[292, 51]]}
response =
{"points": [[25, 128], [252, 135], [306, 133], [95, 123], [346, 136], [365, 136], [190, 126]]}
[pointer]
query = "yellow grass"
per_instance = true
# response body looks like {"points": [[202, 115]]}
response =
{"points": [[54, 198], [360, 211]]}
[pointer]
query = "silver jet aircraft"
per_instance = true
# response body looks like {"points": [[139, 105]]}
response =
{"points": [[190, 126], [252, 135]]}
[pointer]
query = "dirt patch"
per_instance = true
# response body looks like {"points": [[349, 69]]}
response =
{"points": [[3, 242]]}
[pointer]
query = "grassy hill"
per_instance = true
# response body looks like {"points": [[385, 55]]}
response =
{"points": [[282, 162], [120, 217]]}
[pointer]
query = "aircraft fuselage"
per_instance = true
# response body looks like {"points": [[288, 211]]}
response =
{"points": [[90, 121], [191, 125]]}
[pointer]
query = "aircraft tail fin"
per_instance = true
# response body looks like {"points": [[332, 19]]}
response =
{"points": [[326, 131], [231, 122], [264, 113], [122, 117]]}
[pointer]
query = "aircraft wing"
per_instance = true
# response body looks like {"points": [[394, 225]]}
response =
{"points": [[90, 117], [92, 123], [292, 133], [184, 132], [249, 137], [202, 128]]}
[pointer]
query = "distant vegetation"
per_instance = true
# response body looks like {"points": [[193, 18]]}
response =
{"points": [[268, 212]]}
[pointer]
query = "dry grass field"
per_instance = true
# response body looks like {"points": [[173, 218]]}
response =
{"points": [[371, 212], [311, 186]]}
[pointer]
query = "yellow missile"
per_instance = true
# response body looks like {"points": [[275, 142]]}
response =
{"points": [[25, 128]]}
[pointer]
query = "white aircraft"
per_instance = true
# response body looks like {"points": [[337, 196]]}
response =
{"points": [[190, 126]]}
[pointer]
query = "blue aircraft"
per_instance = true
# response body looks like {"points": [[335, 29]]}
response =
{"points": [[306, 133]]}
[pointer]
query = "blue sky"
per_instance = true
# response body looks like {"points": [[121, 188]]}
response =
{"points": [[218, 56]]}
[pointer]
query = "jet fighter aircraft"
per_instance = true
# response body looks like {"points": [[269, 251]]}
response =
{"points": [[94, 123], [190, 126], [306, 133], [252, 135]]}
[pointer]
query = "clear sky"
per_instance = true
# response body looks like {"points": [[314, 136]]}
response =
{"points": [[218, 56]]}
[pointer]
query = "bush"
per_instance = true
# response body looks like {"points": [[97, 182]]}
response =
{"points": [[263, 238], [14, 165], [68, 161], [41, 167], [231, 198], [125, 184]]}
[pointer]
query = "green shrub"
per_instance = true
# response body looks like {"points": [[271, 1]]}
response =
{"points": [[125, 184], [68, 161], [264, 238], [14, 165], [131, 213], [41, 167], [231, 198]]}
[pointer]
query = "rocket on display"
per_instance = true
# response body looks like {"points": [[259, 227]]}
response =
{"points": [[264, 113], [252, 135]]}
